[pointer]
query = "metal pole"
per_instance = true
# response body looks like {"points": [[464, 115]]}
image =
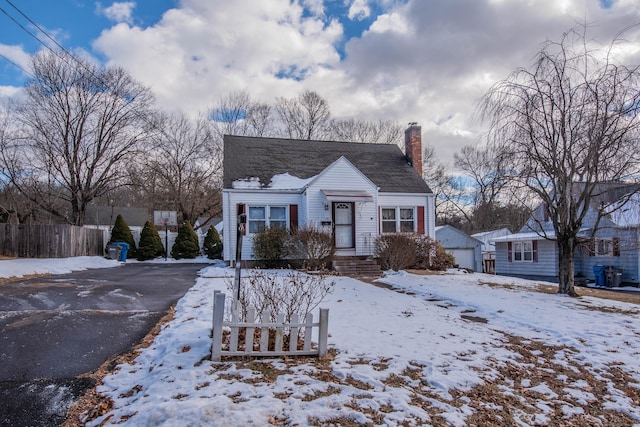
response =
{"points": [[166, 241], [242, 219]]}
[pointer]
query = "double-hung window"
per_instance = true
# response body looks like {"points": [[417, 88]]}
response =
{"points": [[605, 247], [523, 251], [261, 217], [398, 219]]}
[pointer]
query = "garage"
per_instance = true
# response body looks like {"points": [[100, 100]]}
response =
{"points": [[466, 250]]}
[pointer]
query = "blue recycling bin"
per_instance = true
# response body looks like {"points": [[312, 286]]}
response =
{"points": [[599, 274], [124, 248]]}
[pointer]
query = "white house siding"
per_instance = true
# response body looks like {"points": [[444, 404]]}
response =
{"points": [[342, 175], [546, 268], [413, 199], [250, 198]]}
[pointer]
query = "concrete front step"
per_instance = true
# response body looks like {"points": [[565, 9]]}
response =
{"points": [[356, 267]]}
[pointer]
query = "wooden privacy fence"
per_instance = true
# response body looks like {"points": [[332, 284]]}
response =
{"points": [[275, 339], [49, 241]]}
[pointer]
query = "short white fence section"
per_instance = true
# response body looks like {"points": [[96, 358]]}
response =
{"points": [[244, 344]]}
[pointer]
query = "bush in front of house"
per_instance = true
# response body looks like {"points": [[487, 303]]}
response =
{"points": [[186, 244], [271, 246], [122, 233], [314, 246], [212, 245], [442, 260], [407, 250], [150, 243], [431, 255], [291, 293], [396, 251]]}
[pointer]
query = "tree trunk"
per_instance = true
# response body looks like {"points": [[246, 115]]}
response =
{"points": [[565, 267]]}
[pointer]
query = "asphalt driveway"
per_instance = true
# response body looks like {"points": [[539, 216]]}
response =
{"points": [[56, 328]]}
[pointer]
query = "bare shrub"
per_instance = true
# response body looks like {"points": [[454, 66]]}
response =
{"points": [[314, 246], [442, 260], [408, 250], [396, 251], [291, 293], [271, 246]]}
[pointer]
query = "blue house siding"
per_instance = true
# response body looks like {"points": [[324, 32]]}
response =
{"points": [[617, 224], [627, 261], [545, 268]]}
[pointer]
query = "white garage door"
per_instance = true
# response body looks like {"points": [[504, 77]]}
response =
{"points": [[464, 258]]}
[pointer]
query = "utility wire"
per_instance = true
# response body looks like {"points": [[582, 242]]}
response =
{"points": [[37, 26], [15, 64], [66, 57]]}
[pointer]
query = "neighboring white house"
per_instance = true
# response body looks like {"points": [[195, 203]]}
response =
{"points": [[489, 247], [466, 250], [354, 191]]}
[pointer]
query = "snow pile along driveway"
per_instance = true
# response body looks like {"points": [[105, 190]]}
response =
{"points": [[442, 349]]}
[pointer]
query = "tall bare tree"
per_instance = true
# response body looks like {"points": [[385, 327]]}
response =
{"points": [[374, 131], [79, 125], [567, 124], [304, 117], [182, 169], [237, 114], [486, 168]]}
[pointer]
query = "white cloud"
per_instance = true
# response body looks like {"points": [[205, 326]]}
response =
{"points": [[316, 7], [390, 22], [419, 60], [16, 55], [359, 9], [207, 49], [118, 11]]}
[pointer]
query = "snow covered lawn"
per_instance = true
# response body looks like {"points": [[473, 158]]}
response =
{"points": [[452, 349]]}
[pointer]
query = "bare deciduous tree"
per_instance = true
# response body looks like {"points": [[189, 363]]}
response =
{"points": [[238, 114], [79, 125], [567, 124], [486, 169], [304, 117], [379, 131], [182, 169]]}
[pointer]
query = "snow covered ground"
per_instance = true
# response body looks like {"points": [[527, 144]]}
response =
{"points": [[450, 349]]}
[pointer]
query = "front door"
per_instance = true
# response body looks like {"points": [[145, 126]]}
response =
{"points": [[343, 225]]}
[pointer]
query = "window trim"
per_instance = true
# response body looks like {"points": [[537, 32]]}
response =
{"points": [[267, 214], [398, 220], [612, 246], [513, 251]]}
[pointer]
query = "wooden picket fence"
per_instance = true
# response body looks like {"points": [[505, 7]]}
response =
{"points": [[273, 336]]}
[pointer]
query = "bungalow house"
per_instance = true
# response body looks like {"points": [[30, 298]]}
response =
{"points": [[532, 252], [354, 191], [466, 250]]}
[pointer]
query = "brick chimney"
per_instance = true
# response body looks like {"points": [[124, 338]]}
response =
{"points": [[413, 146]]}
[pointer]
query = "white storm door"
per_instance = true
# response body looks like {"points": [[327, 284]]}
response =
{"points": [[343, 224]]}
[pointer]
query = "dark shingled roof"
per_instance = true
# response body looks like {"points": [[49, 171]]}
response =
{"points": [[384, 164]]}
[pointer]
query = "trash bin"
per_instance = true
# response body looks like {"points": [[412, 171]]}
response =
{"points": [[124, 248], [613, 277], [113, 251], [599, 274], [617, 278], [608, 276]]}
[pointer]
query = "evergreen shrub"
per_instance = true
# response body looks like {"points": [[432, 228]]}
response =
{"points": [[212, 245], [186, 244], [150, 243], [122, 233]]}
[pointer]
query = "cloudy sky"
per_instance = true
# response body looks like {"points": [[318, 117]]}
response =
{"points": [[407, 60]]}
